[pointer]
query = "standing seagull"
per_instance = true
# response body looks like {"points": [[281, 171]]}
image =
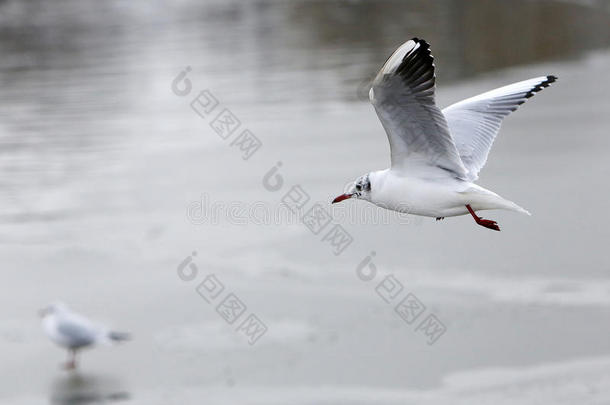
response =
{"points": [[73, 331], [436, 155]]}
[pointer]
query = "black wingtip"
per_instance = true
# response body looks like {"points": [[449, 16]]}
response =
{"points": [[424, 47], [419, 55], [420, 41], [542, 85]]}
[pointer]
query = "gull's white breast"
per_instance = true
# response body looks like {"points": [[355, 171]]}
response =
{"points": [[412, 195], [432, 196]]}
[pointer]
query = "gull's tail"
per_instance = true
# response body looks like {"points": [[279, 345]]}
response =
{"points": [[118, 336], [483, 199], [511, 206]]}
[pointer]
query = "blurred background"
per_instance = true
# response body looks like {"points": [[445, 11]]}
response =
{"points": [[109, 180]]}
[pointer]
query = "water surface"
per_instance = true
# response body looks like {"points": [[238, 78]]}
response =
{"points": [[103, 164]]}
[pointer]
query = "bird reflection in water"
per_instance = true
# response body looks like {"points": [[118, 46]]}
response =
{"points": [[78, 388]]}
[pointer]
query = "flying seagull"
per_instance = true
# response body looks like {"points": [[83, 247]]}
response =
{"points": [[73, 331], [436, 155]]}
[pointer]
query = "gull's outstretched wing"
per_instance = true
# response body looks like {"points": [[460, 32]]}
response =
{"points": [[403, 96], [475, 122]]}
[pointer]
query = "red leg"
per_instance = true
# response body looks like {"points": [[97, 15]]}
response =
{"points": [[487, 223], [71, 363]]}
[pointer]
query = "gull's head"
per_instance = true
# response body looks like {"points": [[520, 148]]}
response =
{"points": [[360, 188], [52, 309]]}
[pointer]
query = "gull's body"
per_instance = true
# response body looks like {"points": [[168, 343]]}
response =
{"points": [[73, 331], [436, 155], [439, 198]]}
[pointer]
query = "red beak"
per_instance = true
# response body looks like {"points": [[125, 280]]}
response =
{"points": [[342, 197]]}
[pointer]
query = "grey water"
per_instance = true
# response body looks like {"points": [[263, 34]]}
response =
{"points": [[110, 180]]}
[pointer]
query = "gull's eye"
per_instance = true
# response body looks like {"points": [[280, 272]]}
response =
{"points": [[358, 187]]}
